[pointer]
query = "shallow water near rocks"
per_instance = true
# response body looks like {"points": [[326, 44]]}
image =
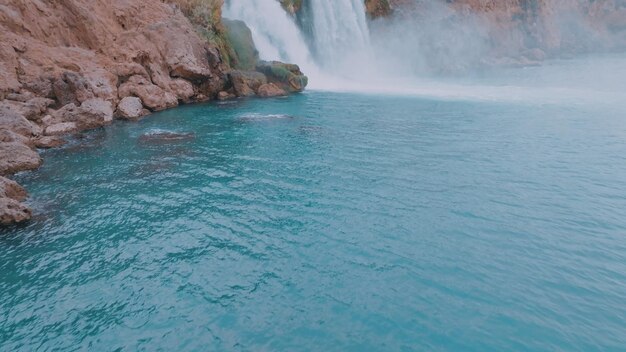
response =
{"points": [[327, 221]]}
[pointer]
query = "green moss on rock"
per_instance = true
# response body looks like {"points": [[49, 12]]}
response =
{"points": [[286, 76], [239, 36]]}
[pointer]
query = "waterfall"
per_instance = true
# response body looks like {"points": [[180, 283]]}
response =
{"points": [[336, 33], [275, 33], [340, 34]]}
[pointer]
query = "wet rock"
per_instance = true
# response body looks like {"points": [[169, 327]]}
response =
{"points": [[94, 113], [223, 95], [13, 212], [15, 157], [11, 189], [165, 137], [270, 90], [47, 142], [245, 54], [286, 76], [60, 128], [130, 108], [246, 83]]}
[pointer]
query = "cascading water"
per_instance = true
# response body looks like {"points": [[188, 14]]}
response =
{"points": [[337, 29], [340, 34], [275, 34]]}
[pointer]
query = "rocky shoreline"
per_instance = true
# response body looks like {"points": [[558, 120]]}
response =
{"points": [[75, 65]]}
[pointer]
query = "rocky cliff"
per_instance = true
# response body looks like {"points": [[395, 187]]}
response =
{"points": [[71, 65], [523, 29]]}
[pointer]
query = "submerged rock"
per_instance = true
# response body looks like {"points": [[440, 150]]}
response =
{"points": [[165, 137]]}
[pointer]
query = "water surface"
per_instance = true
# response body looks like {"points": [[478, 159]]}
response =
{"points": [[324, 221]]}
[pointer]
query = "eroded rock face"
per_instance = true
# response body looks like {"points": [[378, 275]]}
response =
{"points": [[12, 211], [246, 83], [153, 97], [15, 156], [514, 30], [270, 90], [286, 76], [72, 65]]}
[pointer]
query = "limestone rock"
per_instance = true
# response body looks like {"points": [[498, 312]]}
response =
{"points": [[47, 142], [245, 54], [11, 189], [15, 157], [152, 96], [286, 76], [13, 212], [246, 83], [270, 90], [130, 108], [15, 122], [60, 128], [223, 95]]}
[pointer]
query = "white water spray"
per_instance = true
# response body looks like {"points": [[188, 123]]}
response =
{"points": [[340, 34], [275, 34]]}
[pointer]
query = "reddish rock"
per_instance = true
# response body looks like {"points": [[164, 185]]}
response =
{"points": [[246, 83], [130, 108], [60, 128], [11, 189], [47, 142], [13, 212], [270, 90], [152, 96], [15, 157], [15, 122]]}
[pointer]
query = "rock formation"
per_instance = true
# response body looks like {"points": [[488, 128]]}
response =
{"points": [[71, 65], [520, 32]]}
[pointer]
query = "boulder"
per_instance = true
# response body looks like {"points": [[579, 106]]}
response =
{"points": [[270, 90], [13, 212], [246, 83], [15, 157], [94, 113], [152, 96], [60, 128], [286, 76], [223, 95], [15, 122], [8, 136], [11, 189], [130, 108], [47, 142], [91, 113]]}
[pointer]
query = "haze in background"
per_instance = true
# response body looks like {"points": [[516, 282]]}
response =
{"points": [[432, 49]]}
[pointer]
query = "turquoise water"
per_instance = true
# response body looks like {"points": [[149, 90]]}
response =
{"points": [[323, 221]]}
